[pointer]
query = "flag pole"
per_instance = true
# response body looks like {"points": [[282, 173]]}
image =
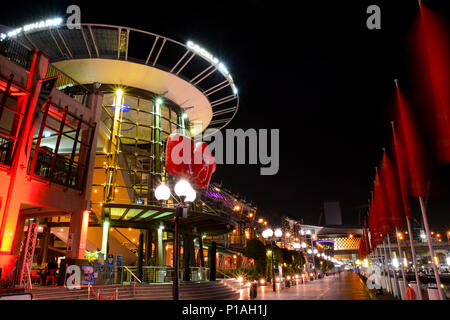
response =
{"points": [[408, 223], [413, 252], [395, 286], [401, 263], [380, 262], [430, 246], [386, 269]]}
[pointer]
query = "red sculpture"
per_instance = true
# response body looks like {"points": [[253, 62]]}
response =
{"points": [[188, 160]]}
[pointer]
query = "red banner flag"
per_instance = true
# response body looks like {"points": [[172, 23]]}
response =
{"points": [[366, 238], [392, 192], [399, 155], [381, 208], [414, 153], [433, 61]]}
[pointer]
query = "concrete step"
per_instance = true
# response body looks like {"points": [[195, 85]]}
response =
{"points": [[188, 291]]}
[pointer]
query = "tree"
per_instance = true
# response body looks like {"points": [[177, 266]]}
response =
{"points": [[256, 250]]}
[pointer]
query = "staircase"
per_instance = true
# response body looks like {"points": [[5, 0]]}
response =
{"points": [[188, 291]]}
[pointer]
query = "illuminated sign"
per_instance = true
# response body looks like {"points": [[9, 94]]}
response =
{"points": [[214, 60], [33, 26]]}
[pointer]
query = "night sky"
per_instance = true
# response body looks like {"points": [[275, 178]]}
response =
{"points": [[313, 71]]}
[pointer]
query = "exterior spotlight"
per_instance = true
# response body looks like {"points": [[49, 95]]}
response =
{"points": [[185, 115], [159, 101], [162, 192], [119, 98]]}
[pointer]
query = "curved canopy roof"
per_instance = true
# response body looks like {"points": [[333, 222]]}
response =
{"points": [[187, 74]]}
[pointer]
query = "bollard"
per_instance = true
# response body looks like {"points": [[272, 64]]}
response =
{"points": [[253, 290]]}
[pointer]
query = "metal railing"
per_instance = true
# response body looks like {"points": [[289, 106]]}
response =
{"points": [[159, 274], [6, 145], [16, 52], [68, 85]]}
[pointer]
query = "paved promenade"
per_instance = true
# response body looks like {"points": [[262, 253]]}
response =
{"points": [[347, 286]]}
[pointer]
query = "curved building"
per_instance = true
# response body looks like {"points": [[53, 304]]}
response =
{"points": [[103, 101]]}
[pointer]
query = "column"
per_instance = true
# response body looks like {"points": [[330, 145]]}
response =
{"points": [[19, 165], [212, 261], [148, 245], [187, 256], [159, 247], [42, 257], [77, 237], [140, 256]]}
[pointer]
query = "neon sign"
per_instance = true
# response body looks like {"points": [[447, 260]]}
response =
{"points": [[33, 26], [214, 60]]}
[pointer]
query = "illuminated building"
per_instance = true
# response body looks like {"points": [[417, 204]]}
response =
{"points": [[91, 147]]}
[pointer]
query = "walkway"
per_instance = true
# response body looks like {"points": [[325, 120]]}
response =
{"points": [[347, 286]]}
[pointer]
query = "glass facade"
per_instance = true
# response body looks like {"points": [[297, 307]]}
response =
{"points": [[130, 157]]}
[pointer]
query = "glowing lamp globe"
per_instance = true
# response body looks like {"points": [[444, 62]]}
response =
{"points": [[267, 233], [182, 188], [303, 245], [309, 251], [191, 195], [296, 245], [278, 233], [162, 192]]}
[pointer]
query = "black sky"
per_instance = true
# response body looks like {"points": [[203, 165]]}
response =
{"points": [[309, 68]]}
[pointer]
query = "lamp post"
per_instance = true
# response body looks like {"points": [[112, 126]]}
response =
{"points": [[187, 195], [269, 234], [314, 251]]}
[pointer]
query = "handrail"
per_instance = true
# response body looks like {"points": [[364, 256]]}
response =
{"points": [[17, 52], [4, 280], [126, 238], [226, 276], [126, 268], [65, 82]]}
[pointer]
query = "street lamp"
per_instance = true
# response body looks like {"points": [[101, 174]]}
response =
{"points": [[269, 234], [187, 195]]}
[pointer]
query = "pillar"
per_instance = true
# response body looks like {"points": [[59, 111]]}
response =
{"points": [[20, 235], [140, 256], [148, 246], [77, 237], [43, 253], [27, 105], [200, 252], [212, 261], [159, 247], [187, 256]]}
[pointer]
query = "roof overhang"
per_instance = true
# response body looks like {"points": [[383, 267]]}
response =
{"points": [[126, 73]]}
